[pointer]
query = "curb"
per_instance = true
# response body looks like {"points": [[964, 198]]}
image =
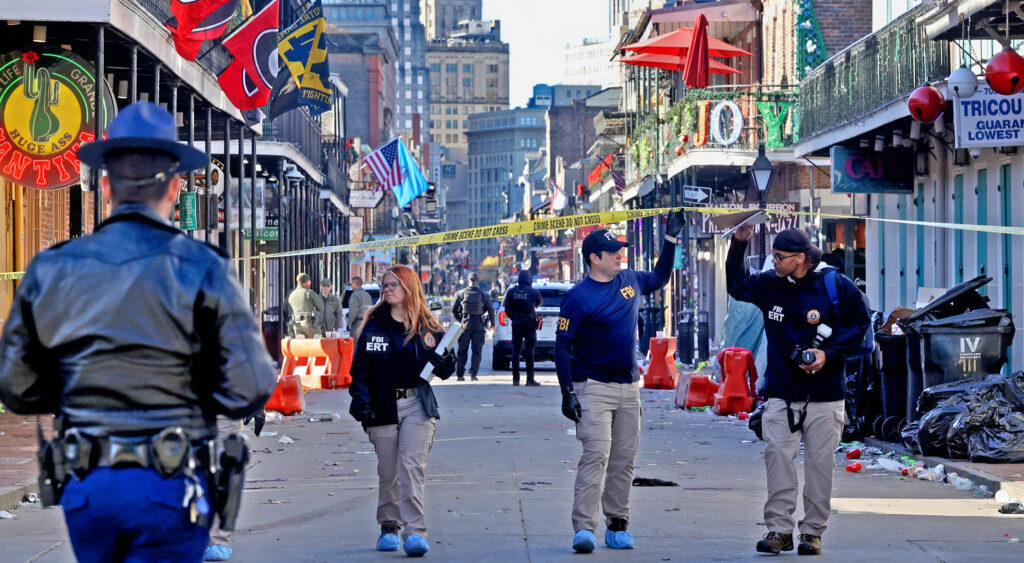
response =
{"points": [[12, 495], [993, 482]]}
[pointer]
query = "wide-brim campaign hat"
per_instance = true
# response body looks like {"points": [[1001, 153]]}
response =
{"points": [[143, 125]]}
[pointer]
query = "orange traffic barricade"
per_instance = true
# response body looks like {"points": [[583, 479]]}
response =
{"points": [[321, 363], [661, 373], [287, 398], [737, 391], [698, 389]]}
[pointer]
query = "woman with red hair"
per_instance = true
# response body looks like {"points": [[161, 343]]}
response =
{"points": [[397, 408]]}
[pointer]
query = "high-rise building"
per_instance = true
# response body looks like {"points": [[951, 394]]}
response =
{"points": [[498, 144], [468, 75], [440, 17], [589, 63]]}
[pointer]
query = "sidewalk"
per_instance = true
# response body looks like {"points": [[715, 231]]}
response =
{"points": [[996, 476], [18, 467]]}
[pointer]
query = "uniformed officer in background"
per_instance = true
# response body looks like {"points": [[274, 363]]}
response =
{"points": [[136, 337], [305, 304], [331, 320], [469, 307], [521, 304], [359, 301]]}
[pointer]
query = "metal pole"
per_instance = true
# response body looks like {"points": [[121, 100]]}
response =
{"points": [[98, 130], [133, 75], [156, 84], [280, 248], [208, 194], [252, 221], [764, 231], [241, 207], [228, 235]]}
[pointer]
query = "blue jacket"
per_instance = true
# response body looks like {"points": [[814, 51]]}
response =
{"points": [[793, 309]]}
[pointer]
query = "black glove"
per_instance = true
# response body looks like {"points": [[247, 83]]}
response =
{"points": [[674, 223], [444, 365], [365, 416], [571, 406], [260, 418]]}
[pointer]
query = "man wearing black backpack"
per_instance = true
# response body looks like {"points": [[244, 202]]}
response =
{"points": [[521, 304], [469, 308], [814, 318]]}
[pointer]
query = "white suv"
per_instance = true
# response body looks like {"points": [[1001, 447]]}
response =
{"points": [[553, 292]]}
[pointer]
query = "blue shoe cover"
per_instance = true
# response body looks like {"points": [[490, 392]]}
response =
{"points": [[387, 542], [217, 552], [584, 541], [415, 546], [618, 540]]}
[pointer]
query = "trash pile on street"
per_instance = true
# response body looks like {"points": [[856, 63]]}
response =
{"points": [[868, 457]]}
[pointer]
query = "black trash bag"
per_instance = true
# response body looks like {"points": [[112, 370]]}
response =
{"points": [[976, 414], [933, 428], [1002, 440], [932, 396], [909, 437], [754, 423]]}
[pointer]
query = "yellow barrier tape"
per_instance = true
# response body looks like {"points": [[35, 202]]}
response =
{"points": [[583, 220]]}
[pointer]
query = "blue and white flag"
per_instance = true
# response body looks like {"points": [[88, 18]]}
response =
{"points": [[396, 170]]}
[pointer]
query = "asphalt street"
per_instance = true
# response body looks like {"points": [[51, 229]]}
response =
{"points": [[500, 479]]}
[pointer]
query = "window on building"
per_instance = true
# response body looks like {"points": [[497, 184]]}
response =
{"points": [[451, 67], [467, 68], [408, 94], [419, 94], [465, 124], [435, 67], [467, 82], [492, 68], [408, 124], [447, 110], [455, 110]]}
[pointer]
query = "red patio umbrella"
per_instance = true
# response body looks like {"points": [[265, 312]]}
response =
{"points": [[696, 74], [678, 42], [672, 62]]}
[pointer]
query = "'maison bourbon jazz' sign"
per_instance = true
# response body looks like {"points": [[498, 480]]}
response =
{"points": [[47, 110]]}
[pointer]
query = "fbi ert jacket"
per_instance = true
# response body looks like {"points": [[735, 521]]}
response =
{"points": [[792, 310], [383, 362], [131, 330]]}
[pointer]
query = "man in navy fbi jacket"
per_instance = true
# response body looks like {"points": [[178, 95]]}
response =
{"points": [[595, 356], [809, 334]]}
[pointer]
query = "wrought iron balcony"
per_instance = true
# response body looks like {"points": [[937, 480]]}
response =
{"points": [[872, 72]]}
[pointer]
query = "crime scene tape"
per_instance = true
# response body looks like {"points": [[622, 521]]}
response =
{"points": [[582, 220]]}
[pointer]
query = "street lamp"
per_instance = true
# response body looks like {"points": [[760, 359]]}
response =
{"points": [[761, 174]]}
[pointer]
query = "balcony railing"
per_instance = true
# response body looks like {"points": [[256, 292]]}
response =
{"points": [[716, 118], [298, 128], [876, 70]]}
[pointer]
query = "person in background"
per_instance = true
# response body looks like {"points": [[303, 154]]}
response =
{"points": [[305, 304], [468, 308], [396, 406], [331, 320], [521, 304], [358, 302]]}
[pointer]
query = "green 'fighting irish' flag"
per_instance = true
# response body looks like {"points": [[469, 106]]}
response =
{"points": [[302, 47]]}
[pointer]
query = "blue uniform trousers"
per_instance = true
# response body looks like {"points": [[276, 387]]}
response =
{"points": [[131, 515]]}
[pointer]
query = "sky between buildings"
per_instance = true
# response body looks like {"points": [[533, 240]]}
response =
{"points": [[537, 32]]}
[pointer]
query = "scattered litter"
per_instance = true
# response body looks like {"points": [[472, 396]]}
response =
{"points": [[330, 494], [273, 416], [30, 498], [508, 431], [570, 431], [336, 417], [853, 454], [332, 463], [1014, 540], [314, 419], [272, 501], [651, 482], [890, 464], [525, 489], [854, 467], [1014, 507], [6, 515], [268, 434], [285, 440], [1002, 496], [487, 405], [676, 509]]}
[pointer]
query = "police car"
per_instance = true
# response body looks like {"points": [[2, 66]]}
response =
{"points": [[553, 292]]}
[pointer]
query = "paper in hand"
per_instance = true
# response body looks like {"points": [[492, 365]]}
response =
{"points": [[733, 221], [447, 343]]}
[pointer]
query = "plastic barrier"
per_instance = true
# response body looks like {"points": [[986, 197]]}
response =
{"points": [[661, 373], [696, 390], [736, 394], [287, 397], [321, 363]]}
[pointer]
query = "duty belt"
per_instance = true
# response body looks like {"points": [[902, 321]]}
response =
{"points": [[168, 452], [405, 393]]}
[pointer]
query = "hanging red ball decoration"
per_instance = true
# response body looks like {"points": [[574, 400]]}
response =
{"points": [[1005, 72], [926, 104]]}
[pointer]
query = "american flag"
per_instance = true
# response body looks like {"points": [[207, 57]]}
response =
{"points": [[620, 182], [384, 164]]}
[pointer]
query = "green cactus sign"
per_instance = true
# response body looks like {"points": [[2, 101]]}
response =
{"points": [[47, 110]]}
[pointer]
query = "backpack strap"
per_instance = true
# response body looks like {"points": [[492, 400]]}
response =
{"points": [[832, 288]]}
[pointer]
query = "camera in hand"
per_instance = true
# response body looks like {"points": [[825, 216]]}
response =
{"points": [[806, 357]]}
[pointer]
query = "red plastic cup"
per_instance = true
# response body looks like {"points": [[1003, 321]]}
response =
{"points": [[853, 454], [854, 467], [905, 471], [743, 415]]}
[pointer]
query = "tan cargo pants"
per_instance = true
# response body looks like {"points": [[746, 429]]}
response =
{"points": [[821, 433], [401, 466], [610, 433]]}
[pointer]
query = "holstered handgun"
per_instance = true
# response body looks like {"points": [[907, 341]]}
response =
{"points": [[52, 468], [231, 480]]}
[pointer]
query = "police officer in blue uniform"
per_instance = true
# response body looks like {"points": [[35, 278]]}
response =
{"points": [[136, 337], [809, 334], [595, 356], [521, 302]]}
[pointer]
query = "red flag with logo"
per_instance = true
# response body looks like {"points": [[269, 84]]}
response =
{"points": [[188, 14], [248, 81], [211, 27]]}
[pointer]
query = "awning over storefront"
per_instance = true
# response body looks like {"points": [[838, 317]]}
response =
{"points": [[723, 157]]}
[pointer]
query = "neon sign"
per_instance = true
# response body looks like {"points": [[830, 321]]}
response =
{"points": [[47, 103]]}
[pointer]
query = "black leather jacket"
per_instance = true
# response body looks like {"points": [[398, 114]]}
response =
{"points": [[133, 329]]}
